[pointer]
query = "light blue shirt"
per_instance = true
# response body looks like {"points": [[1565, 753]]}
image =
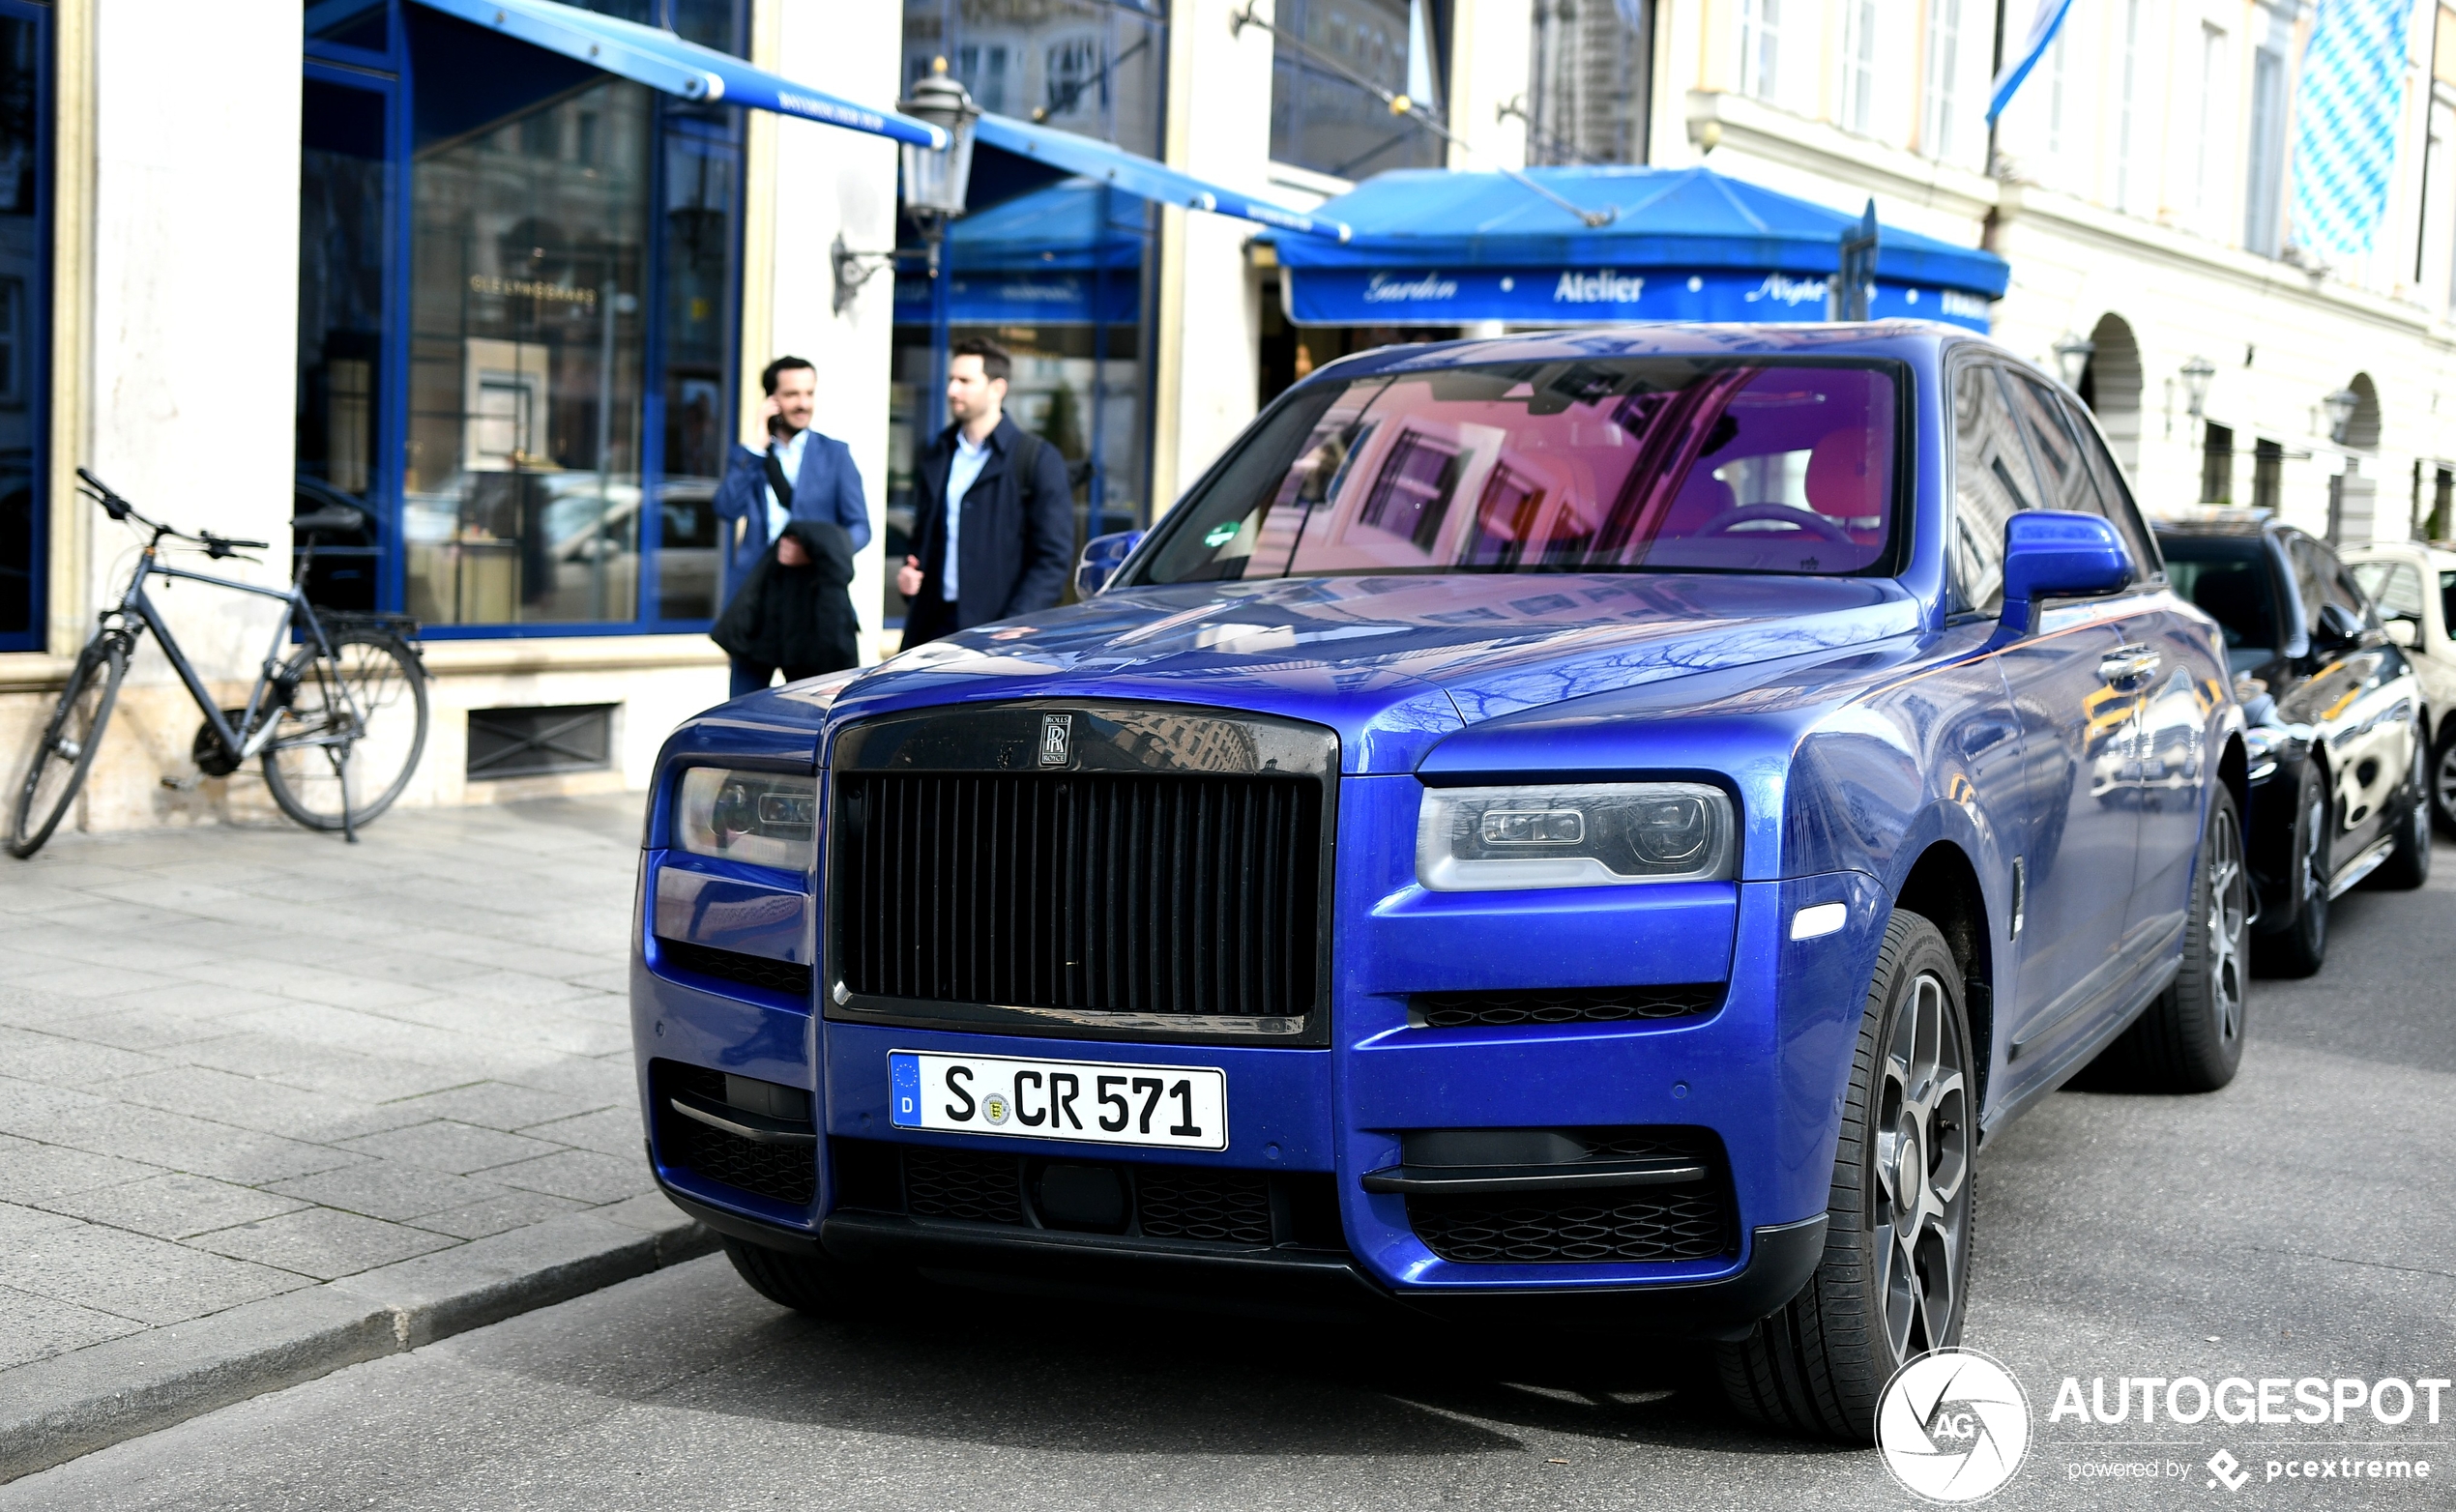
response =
{"points": [[789, 457], [966, 467]]}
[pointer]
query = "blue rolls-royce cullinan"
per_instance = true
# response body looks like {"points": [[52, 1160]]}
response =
{"points": [[1588, 828]]}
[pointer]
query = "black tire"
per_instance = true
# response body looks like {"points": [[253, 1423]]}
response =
{"points": [[2442, 779], [2191, 1038], [2299, 947], [374, 715], [813, 1286], [2409, 865], [1815, 1368], [62, 755]]}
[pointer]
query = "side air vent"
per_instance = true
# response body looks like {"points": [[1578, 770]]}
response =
{"points": [[733, 966], [1561, 1005], [735, 1131]]}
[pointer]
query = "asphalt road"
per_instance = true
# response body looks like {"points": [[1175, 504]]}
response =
{"points": [[2300, 1224]]}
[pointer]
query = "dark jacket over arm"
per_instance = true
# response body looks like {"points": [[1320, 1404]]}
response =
{"points": [[1019, 532]]}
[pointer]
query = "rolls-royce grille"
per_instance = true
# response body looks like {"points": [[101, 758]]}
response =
{"points": [[1103, 891]]}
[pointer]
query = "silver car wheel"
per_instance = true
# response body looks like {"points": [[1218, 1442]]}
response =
{"points": [[1922, 1170]]}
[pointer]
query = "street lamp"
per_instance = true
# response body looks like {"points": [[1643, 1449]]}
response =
{"points": [[2072, 356], [936, 179], [2339, 405], [2197, 371]]}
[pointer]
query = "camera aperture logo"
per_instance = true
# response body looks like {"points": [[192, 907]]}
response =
{"points": [[1952, 1425]]}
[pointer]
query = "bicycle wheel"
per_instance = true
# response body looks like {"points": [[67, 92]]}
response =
{"points": [[358, 728], [56, 768]]}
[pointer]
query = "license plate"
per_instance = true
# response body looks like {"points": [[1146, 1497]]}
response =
{"points": [[1172, 1107]]}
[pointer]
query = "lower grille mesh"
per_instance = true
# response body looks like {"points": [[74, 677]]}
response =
{"points": [[955, 1183], [1647, 1224], [1190, 1202], [1562, 1006], [1223, 1206]]}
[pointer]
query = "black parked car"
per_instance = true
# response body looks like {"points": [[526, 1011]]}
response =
{"points": [[2338, 791]]}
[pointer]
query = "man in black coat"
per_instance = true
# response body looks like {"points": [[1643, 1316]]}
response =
{"points": [[994, 532]]}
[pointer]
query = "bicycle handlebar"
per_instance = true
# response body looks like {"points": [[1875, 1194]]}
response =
{"points": [[120, 509]]}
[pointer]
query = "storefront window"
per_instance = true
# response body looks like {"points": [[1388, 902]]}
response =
{"points": [[529, 230], [1322, 115], [522, 366], [703, 155], [26, 170], [344, 186], [1052, 269]]}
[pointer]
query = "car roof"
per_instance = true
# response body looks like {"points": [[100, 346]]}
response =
{"points": [[2234, 524], [2439, 557], [1899, 340]]}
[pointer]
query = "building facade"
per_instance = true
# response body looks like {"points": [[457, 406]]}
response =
{"points": [[512, 307]]}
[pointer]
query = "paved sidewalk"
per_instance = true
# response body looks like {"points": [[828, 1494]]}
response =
{"points": [[238, 1065]]}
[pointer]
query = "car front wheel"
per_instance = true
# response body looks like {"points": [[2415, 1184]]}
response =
{"points": [[1893, 1281]]}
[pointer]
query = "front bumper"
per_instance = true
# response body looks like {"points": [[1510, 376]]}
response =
{"points": [[1764, 1075], [1781, 1260]]}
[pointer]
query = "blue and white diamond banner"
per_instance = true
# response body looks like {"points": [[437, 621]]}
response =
{"points": [[2345, 124]]}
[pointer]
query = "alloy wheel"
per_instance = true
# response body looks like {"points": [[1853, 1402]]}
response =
{"points": [[2228, 915], [2314, 847], [2443, 779], [1922, 1172]]}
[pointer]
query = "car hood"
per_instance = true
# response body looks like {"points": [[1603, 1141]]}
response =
{"points": [[1392, 663]]}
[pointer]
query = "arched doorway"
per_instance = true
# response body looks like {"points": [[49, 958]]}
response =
{"points": [[2111, 387]]}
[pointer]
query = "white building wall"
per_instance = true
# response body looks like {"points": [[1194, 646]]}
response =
{"points": [[2119, 198], [829, 182], [190, 364]]}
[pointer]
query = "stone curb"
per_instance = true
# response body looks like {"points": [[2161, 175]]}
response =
{"points": [[55, 1410]]}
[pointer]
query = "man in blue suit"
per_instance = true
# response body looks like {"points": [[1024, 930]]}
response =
{"points": [[792, 473]]}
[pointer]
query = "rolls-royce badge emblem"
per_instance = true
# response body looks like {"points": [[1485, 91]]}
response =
{"points": [[1056, 732]]}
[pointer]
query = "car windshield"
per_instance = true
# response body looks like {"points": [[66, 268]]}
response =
{"points": [[2227, 578], [1632, 464]]}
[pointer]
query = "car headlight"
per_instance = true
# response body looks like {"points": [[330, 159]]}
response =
{"points": [[1579, 835], [763, 818]]}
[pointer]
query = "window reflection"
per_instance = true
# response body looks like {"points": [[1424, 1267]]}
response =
{"points": [[22, 169], [530, 210], [1322, 118]]}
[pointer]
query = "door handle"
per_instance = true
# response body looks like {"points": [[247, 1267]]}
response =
{"points": [[2129, 666]]}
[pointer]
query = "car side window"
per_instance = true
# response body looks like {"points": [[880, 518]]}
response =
{"points": [[1992, 483], [2394, 586], [2114, 499], [2319, 579], [2062, 470]]}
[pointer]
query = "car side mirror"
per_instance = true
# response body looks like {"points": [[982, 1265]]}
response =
{"points": [[2404, 632], [1102, 556], [2058, 553], [2339, 627]]}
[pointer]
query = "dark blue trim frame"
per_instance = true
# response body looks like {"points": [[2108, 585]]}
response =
{"points": [[390, 74], [38, 339]]}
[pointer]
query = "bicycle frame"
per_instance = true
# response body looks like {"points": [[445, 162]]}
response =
{"points": [[249, 737]]}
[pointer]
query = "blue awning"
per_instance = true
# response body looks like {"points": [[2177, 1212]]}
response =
{"points": [[1437, 247], [1070, 255], [1140, 176], [1072, 225], [656, 57]]}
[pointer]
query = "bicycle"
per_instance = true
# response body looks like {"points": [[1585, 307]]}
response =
{"points": [[341, 717]]}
